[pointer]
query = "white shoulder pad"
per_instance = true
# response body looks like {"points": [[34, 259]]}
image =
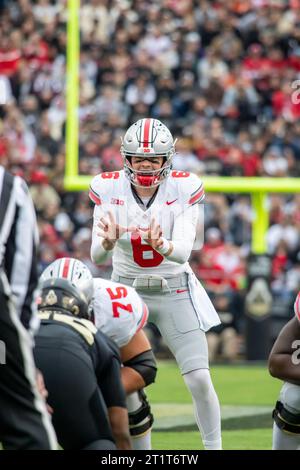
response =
{"points": [[297, 307], [102, 185], [190, 187]]}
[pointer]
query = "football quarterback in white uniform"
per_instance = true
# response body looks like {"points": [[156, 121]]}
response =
{"points": [[132, 255], [120, 313], [147, 216], [284, 364]]}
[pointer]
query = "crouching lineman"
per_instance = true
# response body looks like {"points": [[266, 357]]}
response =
{"points": [[284, 364], [120, 313], [81, 369]]}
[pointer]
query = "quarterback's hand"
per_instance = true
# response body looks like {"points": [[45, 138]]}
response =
{"points": [[153, 235], [110, 231]]}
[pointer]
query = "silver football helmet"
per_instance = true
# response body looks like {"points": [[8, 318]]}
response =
{"points": [[147, 138], [75, 272]]}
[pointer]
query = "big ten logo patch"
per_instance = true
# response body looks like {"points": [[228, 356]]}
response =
{"points": [[118, 202]]}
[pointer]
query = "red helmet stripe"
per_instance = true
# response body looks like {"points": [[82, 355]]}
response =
{"points": [[198, 197], [146, 132], [66, 266]]}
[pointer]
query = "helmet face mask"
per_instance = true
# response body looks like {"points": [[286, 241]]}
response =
{"points": [[147, 138], [75, 279], [146, 178]]}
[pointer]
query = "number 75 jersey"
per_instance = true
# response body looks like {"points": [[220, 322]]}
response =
{"points": [[119, 311]]}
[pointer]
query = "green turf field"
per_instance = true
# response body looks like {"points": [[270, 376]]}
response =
{"points": [[247, 395]]}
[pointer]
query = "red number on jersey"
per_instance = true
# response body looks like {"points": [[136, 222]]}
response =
{"points": [[120, 292], [180, 174], [108, 175], [117, 305], [138, 250]]}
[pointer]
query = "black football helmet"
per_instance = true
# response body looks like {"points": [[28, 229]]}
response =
{"points": [[59, 294]]}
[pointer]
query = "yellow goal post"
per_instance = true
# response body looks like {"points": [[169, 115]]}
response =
{"points": [[258, 187]]}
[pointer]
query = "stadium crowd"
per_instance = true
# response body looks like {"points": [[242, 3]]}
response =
{"points": [[223, 75]]}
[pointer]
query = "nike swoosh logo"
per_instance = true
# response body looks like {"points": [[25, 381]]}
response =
{"points": [[179, 291], [170, 202]]}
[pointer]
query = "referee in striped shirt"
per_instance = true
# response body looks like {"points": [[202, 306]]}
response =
{"points": [[24, 421]]}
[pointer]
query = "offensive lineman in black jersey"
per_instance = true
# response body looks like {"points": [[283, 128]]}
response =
{"points": [[81, 369]]}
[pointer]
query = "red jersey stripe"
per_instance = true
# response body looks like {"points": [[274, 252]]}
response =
{"points": [[94, 198], [144, 318], [197, 196]]}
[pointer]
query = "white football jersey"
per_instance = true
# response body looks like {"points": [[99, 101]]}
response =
{"points": [[118, 310], [132, 256]]}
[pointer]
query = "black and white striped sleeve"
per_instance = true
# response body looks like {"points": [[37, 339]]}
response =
{"points": [[19, 236]]}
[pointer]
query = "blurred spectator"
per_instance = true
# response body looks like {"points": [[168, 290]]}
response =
{"points": [[293, 277], [224, 340], [42, 193], [186, 159], [241, 216], [240, 101], [211, 67], [274, 164], [140, 91], [285, 231]]}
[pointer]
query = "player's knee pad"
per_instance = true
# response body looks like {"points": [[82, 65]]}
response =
{"points": [[145, 365], [287, 410], [285, 420], [100, 444], [139, 414]]}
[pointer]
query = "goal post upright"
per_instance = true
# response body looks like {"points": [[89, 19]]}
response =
{"points": [[257, 187], [72, 91]]}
